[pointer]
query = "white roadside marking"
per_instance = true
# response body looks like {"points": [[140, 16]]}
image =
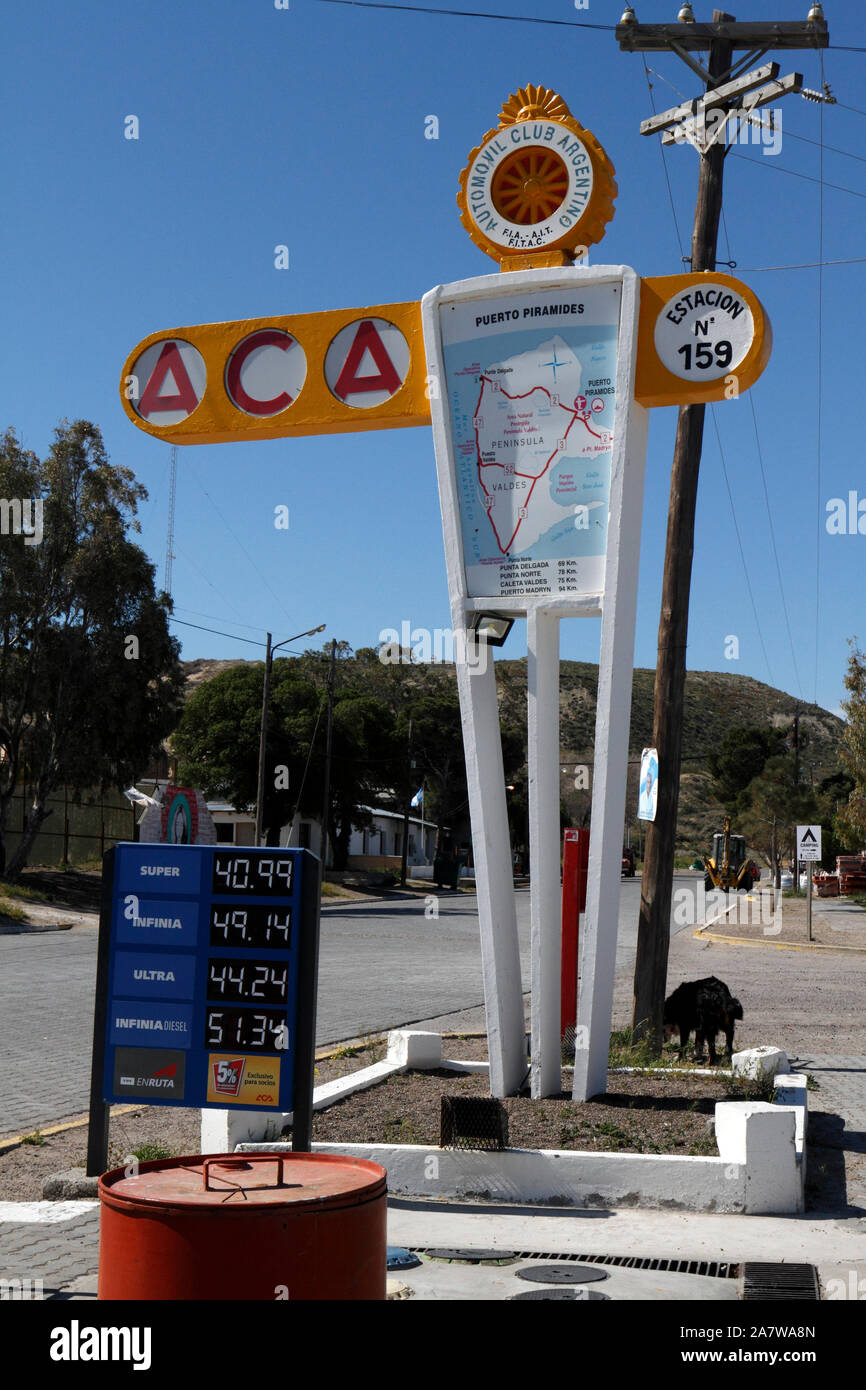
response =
{"points": [[44, 1211]]}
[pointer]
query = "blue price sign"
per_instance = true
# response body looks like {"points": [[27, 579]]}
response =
{"points": [[206, 980]]}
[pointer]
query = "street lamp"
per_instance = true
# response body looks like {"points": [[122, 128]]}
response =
{"points": [[263, 733]]}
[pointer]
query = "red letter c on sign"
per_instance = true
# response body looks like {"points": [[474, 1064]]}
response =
{"points": [[265, 338]]}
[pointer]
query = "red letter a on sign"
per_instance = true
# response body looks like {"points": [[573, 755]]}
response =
{"points": [[367, 339], [169, 360]]}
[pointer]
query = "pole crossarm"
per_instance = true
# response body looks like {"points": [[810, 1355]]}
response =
{"points": [[695, 38], [719, 96], [737, 112]]}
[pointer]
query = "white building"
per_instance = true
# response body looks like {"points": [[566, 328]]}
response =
{"points": [[380, 846]]}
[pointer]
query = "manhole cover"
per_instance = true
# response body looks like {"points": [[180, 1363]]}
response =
{"points": [[573, 1295], [398, 1258], [562, 1274], [471, 1257]]}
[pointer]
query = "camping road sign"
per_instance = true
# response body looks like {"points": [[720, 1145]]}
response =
{"points": [[808, 843]]}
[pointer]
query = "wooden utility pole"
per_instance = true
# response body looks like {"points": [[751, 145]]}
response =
{"points": [[686, 38]]}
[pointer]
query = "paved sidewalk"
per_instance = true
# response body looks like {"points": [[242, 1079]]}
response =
{"points": [[60, 1253]]}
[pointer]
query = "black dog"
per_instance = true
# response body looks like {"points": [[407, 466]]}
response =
{"points": [[708, 1007]]}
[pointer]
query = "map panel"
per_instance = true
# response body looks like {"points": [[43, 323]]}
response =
{"points": [[530, 383]]}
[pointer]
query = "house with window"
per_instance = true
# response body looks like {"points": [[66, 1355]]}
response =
{"points": [[379, 846]]}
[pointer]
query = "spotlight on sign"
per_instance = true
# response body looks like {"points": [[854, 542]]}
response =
{"points": [[491, 628]]}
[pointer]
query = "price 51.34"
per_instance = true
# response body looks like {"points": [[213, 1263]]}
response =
{"points": [[706, 355]]}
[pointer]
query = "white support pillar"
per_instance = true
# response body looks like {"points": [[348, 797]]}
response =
{"points": [[544, 858], [613, 714], [494, 878]]}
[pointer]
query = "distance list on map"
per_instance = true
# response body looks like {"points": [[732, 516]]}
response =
{"points": [[530, 382]]}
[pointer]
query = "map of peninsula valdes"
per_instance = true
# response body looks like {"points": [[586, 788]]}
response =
{"points": [[530, 382]]}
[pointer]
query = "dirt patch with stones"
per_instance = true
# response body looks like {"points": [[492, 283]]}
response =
{"points": [[653, 1113], [640, 1113]]}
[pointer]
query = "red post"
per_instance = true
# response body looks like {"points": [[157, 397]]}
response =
{"points": [[575, 865]]}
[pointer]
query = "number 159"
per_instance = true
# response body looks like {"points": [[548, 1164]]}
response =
{"points": [[704, 355]]}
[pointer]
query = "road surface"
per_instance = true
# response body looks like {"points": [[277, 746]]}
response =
{"points": [[382, 964]]}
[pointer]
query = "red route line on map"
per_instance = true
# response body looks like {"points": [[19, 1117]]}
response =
{"points": [[503, 549]]}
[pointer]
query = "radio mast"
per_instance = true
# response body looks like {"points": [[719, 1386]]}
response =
{"points": [[169, 543]]}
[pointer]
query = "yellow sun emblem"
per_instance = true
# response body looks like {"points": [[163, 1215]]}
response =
{"points": [[539, 187]]}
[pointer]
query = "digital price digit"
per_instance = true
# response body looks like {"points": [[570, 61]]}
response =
{"points": [[248, 1030], [238, 980], [255, 926], [269, 877], [232, 923]]}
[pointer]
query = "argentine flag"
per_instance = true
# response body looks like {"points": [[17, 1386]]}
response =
{"points": [[418, 798]]}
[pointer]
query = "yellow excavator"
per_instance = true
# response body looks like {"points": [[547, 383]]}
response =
{"points": [[727, 867]]}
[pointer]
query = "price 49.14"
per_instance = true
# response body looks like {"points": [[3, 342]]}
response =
{"points": [[703, 356]]}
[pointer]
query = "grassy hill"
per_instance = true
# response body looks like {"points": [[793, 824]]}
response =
{"points": [[715, 702]]}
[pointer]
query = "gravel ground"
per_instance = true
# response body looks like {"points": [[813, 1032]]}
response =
{"points": [[792, 924], [802, 1001]]}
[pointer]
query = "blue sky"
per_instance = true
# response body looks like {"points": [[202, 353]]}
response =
{"points": [[305, 126]]}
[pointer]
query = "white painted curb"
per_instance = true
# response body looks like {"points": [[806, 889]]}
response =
{"points": [[756, 1062], [760, 1168]]}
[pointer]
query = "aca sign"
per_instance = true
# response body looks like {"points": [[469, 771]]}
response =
{"points": [[350, 369]]}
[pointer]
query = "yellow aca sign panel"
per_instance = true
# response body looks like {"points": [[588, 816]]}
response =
{"points": [[346, 369], [702, 337]]}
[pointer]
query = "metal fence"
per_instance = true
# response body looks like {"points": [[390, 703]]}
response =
{"points": [[76, 830]]}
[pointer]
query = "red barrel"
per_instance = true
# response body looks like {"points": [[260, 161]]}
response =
{"points": [[244, 1226]]}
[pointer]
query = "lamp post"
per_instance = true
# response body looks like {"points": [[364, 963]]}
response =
{"points": [[326, 797], [263, 733]]}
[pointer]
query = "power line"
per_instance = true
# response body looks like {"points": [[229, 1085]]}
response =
{"points": [[241, 545], [664, 161], [647, 70], [740, 545], [780, 169], [790, 135], [664, 79], [181, 608], [773, 543], [802, 265], [179, 555], [470, 14], [249, 641], [769, 510]]}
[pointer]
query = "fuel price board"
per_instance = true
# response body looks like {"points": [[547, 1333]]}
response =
{"points": [[206, 980]]}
